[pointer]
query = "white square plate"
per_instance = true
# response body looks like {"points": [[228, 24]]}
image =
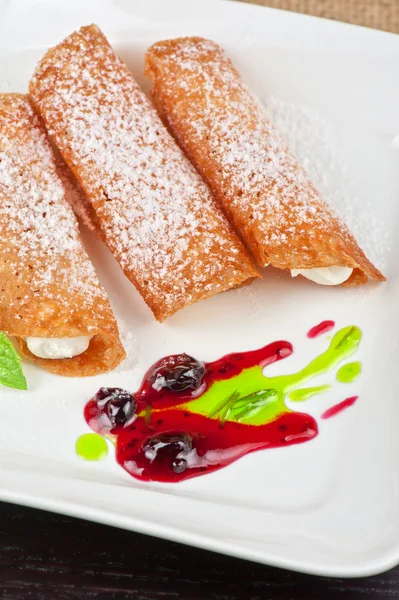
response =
{"points": [[329, 506]]}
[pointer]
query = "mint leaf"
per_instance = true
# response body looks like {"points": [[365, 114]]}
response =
{"points": [[251, 405], [223, 406], [234, 408], [10, 365]]}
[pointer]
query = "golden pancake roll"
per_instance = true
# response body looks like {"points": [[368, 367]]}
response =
{"points": [[264, 191], [49, 291], [154, 211]]}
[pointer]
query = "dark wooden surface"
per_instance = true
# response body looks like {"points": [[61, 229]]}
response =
{"points": [[47, 556]]}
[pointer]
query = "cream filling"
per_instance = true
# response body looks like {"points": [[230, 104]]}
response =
{"points": [[58, 347], [325, 275]]}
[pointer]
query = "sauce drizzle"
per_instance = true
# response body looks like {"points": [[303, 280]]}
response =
{"points": [[189, 418], [337, 408], [320, 329]]}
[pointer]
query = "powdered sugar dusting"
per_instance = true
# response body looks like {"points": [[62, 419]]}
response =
{"points": [[132, 346], [74, 194], [315, 142], [156, 214], [40, 244]]}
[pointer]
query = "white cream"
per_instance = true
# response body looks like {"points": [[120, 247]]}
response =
{"points": [[58, 347], [325, 275]]}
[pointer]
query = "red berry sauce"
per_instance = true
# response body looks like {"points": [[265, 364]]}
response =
{"points": [[165, 441]]}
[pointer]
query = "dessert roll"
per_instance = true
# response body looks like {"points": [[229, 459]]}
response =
{"points": [[264, 191], [51, 300], [153, 210]]}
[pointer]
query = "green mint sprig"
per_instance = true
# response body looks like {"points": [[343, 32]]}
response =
{"points": [[11, 374], [239, 409]]}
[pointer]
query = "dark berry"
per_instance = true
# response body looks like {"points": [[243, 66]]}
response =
{"points": [[118, 404], [179, 465], [165, 448], [178, 373], [178, 442]]}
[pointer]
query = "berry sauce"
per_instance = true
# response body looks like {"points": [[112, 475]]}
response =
{"points": [[320, 329], [337, 408], [189, 418]]}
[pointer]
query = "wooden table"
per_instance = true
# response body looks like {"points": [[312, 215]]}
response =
{"points": [[378, 14], [44, 556]]}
